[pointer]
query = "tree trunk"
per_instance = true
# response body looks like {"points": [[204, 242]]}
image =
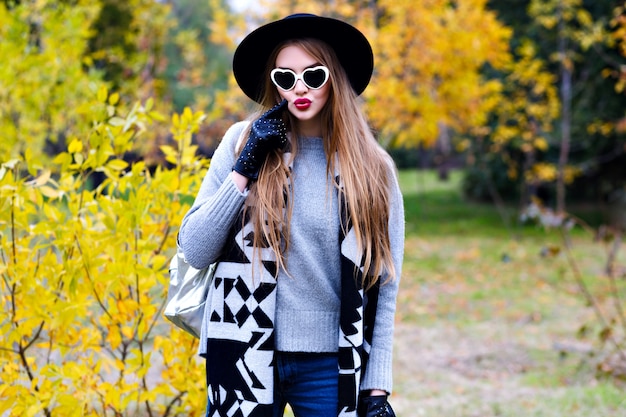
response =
{"points": [[444, 150], [566, 104]]}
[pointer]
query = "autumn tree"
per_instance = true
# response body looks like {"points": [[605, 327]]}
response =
{"points": [[589, 115], [429, 60], [518, 133], [575, 31]]}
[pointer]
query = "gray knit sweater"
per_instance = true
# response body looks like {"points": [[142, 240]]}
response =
{"points": [[307, 310]]}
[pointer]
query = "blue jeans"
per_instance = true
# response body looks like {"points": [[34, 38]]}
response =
{"points": [[308, 382]]}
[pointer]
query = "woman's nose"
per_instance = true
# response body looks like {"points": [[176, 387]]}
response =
{"points": [[300, 87]]}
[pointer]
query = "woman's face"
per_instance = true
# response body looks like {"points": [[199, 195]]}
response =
{"points": [[304, 103]]}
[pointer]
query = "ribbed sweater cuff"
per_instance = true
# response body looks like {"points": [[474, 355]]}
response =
{"points": [[233, 198], [378, 374]]}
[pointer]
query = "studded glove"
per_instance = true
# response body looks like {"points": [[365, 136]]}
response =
{"points": [[375, 406], [268, 132]]}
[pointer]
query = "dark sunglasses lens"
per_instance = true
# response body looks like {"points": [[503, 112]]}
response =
{"points": [[284, 79], [314, 78]]}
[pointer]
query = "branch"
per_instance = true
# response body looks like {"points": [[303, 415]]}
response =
{"points": [[156, 317], [93, 287], [606, 58], [165, 236], [136, 259], [144, 381], [22, 354], [587, 293], [610, 269], [35, 337], [493, 192], [176, 399]]}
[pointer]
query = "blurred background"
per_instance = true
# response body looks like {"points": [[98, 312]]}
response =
{"points": [[525, 96], [506, 119]]}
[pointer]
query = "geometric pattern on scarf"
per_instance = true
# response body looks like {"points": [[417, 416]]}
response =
{"points": [[240, 343]]}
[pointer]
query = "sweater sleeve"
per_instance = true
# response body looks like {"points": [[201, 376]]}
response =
{"points": [[378, 374], [205, 227]]}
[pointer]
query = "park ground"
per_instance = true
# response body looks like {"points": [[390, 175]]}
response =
{"points": [[490, 321]]}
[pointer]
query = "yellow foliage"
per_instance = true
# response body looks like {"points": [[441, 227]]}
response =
{"points": [[428, 58], [540, 144], [84, 274], [33, 108], [526, 117], [431, 53], [543, 172], [602, 127]]}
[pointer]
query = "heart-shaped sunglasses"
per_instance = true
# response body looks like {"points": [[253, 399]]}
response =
{"points": [[313, 78]]}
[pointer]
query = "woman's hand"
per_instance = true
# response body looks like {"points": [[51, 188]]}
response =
{"points": [[267, 133], [375, 406]]}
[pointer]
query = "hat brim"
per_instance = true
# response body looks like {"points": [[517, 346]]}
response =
{"points": [[351, 46]]}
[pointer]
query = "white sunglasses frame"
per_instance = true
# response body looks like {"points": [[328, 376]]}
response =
{"points": [[301, 77]]}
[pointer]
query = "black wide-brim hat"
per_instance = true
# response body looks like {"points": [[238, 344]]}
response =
{"points": [[351, 46]]}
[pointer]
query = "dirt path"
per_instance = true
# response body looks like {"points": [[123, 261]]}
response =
{"points": [[478, 372], [443, 368]]}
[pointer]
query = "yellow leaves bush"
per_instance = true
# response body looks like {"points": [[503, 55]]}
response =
{"points": [[84, 275]]}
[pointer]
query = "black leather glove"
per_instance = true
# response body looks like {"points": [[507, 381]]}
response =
{"points": [[268, 132], [375, 406]]}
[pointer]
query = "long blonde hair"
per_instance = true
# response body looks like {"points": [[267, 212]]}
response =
{"points": [[364, 168]]}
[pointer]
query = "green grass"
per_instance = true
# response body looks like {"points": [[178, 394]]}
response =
{"points": [[482, 307], [437, 207]]}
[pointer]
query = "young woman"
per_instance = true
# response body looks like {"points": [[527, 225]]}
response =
{"points": [[302, 211]]}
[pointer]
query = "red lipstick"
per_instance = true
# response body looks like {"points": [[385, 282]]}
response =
{"points": [[302, 103]]}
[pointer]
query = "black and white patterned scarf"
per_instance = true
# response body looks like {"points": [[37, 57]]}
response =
{"points": [[240, 343]]}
